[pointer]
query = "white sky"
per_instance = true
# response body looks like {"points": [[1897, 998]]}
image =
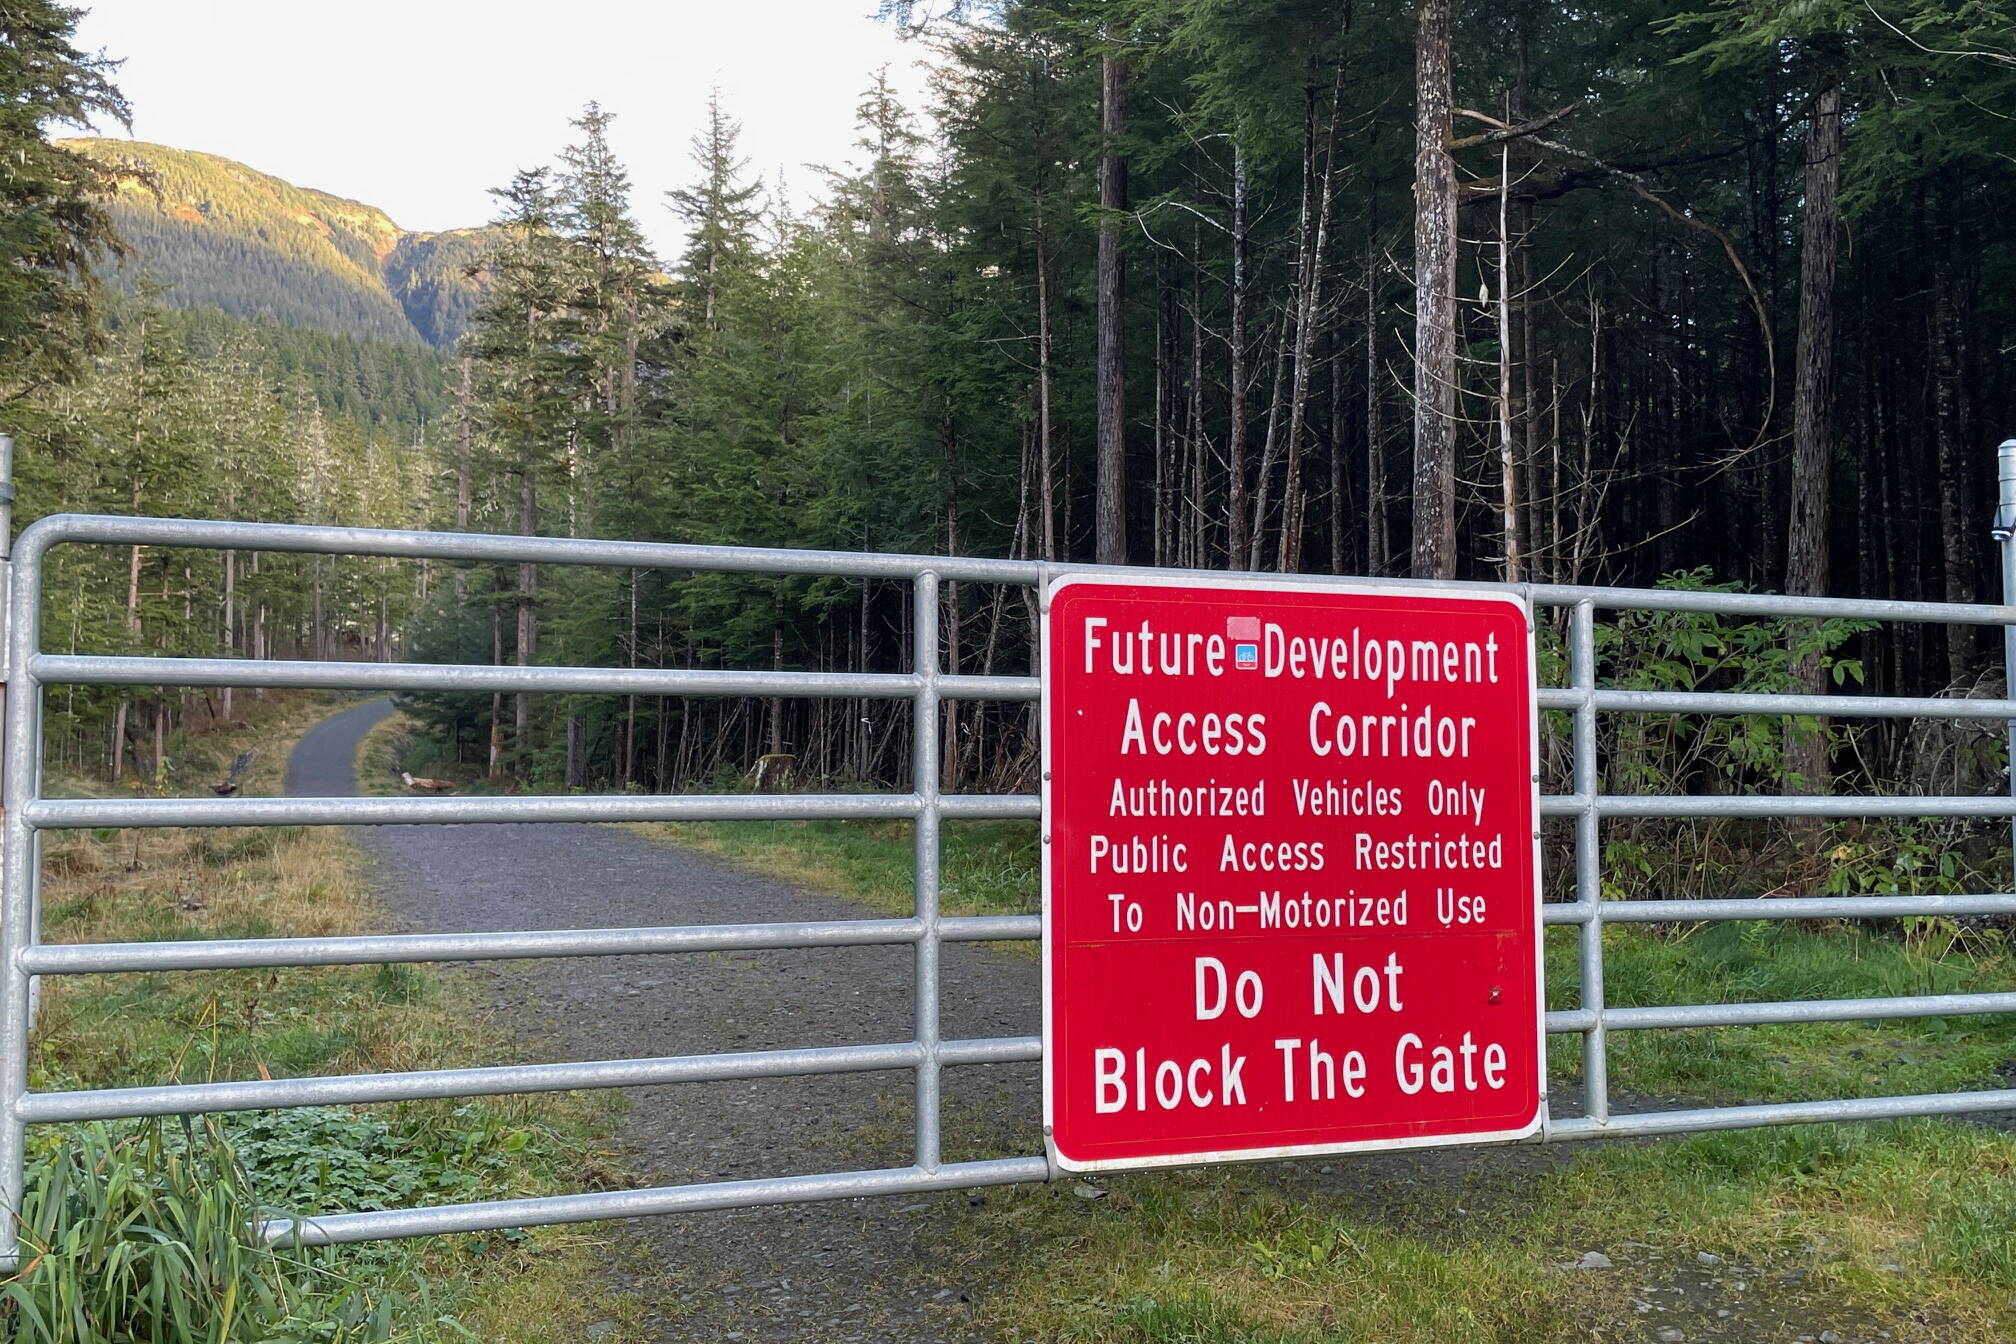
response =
{"points": [[418, 108]]}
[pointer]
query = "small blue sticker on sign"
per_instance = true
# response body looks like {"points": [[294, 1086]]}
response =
{"points": [[1244, 632]]}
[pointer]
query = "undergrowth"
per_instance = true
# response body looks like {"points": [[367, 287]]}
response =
{"points": [[141, 1231], [1903, 1228]]}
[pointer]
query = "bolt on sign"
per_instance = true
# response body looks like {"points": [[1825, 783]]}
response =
{"points": [[1290, 871]]}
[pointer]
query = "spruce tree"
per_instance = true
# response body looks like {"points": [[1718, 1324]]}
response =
{"points": [[718, 209], [53, 220], [524, 385]]}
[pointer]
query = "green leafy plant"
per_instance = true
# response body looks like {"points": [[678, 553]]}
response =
{"points": [[1300, 1251], [150, 1233], [1707, 651], [1658, 753]]}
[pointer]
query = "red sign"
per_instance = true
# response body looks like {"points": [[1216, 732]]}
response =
{"points": [[1290, 874]]}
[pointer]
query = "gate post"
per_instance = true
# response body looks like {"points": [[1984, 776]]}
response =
{"points": [[2004, 533], [6, 572], [16, 845], [925, 783]]}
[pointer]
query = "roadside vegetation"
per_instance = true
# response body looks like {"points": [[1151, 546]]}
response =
{"points": [[1908, 1226], [138, 1230], [1904, 1226]]}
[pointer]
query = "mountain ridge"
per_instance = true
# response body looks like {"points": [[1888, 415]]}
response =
{"points": [[214, 232]]}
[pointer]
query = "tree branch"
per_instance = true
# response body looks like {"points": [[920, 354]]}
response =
{"points": [[1638, 184], [1502, 132], [1983, 54]]}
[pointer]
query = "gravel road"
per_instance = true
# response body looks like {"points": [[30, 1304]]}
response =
{"points": [[855, 1270]]}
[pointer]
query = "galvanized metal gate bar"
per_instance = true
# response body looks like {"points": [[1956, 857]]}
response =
{"points": [[23, 957]]}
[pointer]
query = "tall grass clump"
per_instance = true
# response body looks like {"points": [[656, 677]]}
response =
{"points": [[149, 1234]]}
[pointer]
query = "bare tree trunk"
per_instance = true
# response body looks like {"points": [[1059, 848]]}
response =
{"points": [[1587, 518], [317, 640], [1158, 519], [864, 706], [948, 765], [1197, 506], [1508, 473], [1958, 583], [1236, 543], [1045, 456], [1269, 447], [120, 715], [230, 607], [948, 768], [1520, 284], [1378, 535], [119, 739], [462, 448], [1529, 405], [1111, 501], [661, 781], [259, 649], [1309, 305], [1434, 299], [1806, 557], [497, 658], [1338, 564], [1557, 475], [528, 626], [777, 665], [1291, 485], [630, 704]]}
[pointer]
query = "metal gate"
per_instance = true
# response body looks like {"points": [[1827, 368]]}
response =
{"points": [[24, 956]]}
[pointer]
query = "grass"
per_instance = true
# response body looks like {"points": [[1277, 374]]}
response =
{"points": [[383, 754], [1199, 1258], [1904, 1226], [140, 1233], [143, 1029], [988, 867], [1771, 962], [1907, 1226]]}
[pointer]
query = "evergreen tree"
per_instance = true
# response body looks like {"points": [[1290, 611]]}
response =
{"points": [[718, 211], [525, 391], [53, 220], [611, 306]]}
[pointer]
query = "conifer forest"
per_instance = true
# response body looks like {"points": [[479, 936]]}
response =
{"points": [[1705, 292]]}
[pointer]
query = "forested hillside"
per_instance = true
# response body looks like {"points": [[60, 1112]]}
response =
{"points": [[397, 388], [221, 433], [249, 361], [215, 233], [257, 361], [434, 277]]}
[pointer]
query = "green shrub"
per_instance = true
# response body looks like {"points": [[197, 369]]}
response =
{"points": [[148, 1233]]}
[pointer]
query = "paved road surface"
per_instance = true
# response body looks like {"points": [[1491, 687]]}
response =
{"points": [[857, 1270]]}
